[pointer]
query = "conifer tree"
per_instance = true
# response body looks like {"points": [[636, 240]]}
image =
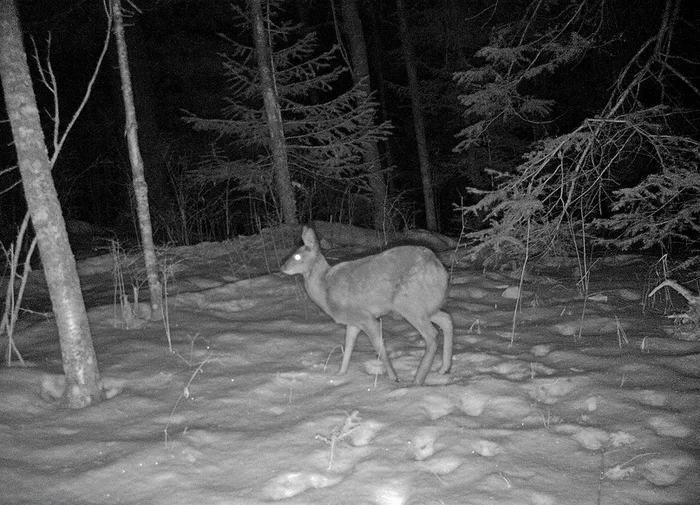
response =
{"points": [[273, 114], [352, 25], [325, 131], [630, 169]]}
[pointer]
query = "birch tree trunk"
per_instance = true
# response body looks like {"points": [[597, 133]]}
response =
{"points": [[278, 146], [139, 181], [418, 123], [77, 352], [360, 74]]}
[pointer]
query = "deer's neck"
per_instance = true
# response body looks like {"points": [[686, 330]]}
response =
{"points": [[315, 283]]}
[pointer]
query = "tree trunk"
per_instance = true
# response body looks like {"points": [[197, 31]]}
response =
{"points": [[151, 141], [360, 74], [418, 123], [140, 187], [78, 355], [278, 146], [375, 62]]}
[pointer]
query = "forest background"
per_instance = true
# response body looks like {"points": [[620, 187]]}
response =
{"points": [[535, 121]]}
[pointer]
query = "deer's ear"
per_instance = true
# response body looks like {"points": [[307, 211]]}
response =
{"points": [[309, 237]]}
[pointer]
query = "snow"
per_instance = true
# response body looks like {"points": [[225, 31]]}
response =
{"points": [[588, 403]]}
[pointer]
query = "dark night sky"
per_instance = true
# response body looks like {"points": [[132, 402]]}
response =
{"points": [[174, 59]]}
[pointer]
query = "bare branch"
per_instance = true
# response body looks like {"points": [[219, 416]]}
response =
{"points": [[58, 142]]}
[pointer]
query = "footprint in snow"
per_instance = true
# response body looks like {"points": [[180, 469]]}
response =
{"points": [[423, 443], [668, 469], [592, 438], [651, 397], [437, 406], [486, 448], [473, 401], [392, 493], [294, 483], [669, 426], [550, 390], [540, 350], [363, 434], [442, 464], [423, 447]]}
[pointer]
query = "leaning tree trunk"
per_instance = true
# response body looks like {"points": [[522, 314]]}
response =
{"points": [[419, 125], [360, 74], [140, 187], [78, 354], [283, 182]]}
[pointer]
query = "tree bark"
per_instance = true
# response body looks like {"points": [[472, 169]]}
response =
{"points": [[278, 146], [418, 122], [78, 355], [360, 74], [139, 181]]}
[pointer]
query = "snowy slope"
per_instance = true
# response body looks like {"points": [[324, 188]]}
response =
{"points": [[248, 409]]}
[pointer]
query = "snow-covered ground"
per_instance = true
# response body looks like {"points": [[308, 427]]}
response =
{"points": [[593, 403]]}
